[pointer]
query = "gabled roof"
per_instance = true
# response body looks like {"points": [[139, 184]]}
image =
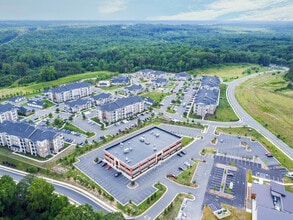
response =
{"points": [[267, 213], [148, 99], [206, 96], [210, 81], [35, 102], [120, 103], [102, 96], [69, 87], [24, 130], [160, 80], [120, 79], [182, 74], [134, 87], [77, 102], [16, 98], [6, 107]]}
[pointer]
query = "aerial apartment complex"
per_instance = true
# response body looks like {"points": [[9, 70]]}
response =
{"points": [[69, 92], [120, 109], [8, 112], [25, 138]]}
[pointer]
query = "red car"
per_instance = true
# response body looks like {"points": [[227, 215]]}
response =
{"points": [[109, 167]]}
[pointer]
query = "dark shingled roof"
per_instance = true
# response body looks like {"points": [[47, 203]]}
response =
{"points": [[159, 73], [182, 74], [15, 98], [101, 96], [267, 213], [160, 80], [77, 102], [134, 87], [206, 96], [24, 130], [210, 81], [6, 107], [35, 102], [120, 79], [68, 87], [120, 103]]}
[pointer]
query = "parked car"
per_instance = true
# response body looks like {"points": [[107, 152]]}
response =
{"points": [[172, 176], [104, 164], [179, 154], [109, 168], [180, 168], [230, 174], [268, 154], [117, 174], [183, 152]]}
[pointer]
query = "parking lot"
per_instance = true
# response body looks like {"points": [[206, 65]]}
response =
{"points": [[231, 145], [218, 177]]}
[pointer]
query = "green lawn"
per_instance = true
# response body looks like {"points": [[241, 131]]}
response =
{"points": [[256, 136], [224, 111], [185, 177], [111, 88], [71, 127], [186, 141], [48, 103], [36, 88], [156, 96], [268, 101], [229, 72], [173, 209]]}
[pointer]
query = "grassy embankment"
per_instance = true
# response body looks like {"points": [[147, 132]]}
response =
{"points": [[229, 72], [36, 88], [173, 209], [236, 213], [266, 99], [156, 96]]}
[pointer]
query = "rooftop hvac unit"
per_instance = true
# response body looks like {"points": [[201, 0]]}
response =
{"points": [[130, 149], [142, 139], [155, 149], [157, 135], [126, 159], [126, 150], [121, 144]]}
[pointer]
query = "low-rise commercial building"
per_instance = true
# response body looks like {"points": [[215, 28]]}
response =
{"points": [[8, 112], [69, 92], [25, 138], [139, 152], [35, 104], [120, 109]]}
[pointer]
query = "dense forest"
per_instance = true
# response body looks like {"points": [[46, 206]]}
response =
{"points": [[33, 198], [43, 51]]}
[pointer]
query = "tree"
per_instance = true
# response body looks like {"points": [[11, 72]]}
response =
{"points": [[39, 190], [7, 193]]}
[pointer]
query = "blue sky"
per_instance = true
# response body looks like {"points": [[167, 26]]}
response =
{"points": [[274, 10]]}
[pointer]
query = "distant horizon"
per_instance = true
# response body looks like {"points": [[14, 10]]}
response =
{"points": [[146, 10]]}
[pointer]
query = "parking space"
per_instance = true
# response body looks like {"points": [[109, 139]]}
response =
{"points": [[243, 147], [182, 131]]}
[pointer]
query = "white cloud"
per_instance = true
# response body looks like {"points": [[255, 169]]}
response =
{"points": [[112, 6], [246, 9]]}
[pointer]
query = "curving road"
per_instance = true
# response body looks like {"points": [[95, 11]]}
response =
{"points": [[248, 120], [77, 195]]}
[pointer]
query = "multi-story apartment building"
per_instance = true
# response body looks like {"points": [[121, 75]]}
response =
{"points": [[8, 112], [69, 92], [206, 102], [78, 105], [102, 98], [25, 138], [120, 109]]}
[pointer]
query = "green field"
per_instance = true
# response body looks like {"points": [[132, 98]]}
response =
{"points": [[39, 87], [71, 127], [224, 111], [228, 72], [156, 96], [185, 177], [266, 98]]}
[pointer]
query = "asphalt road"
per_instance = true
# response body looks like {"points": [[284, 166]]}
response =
{"points": [[61, 189], [248, 120]]}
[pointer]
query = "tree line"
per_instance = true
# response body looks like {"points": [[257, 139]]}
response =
{"points": [[49, 52], [33, 198]]}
